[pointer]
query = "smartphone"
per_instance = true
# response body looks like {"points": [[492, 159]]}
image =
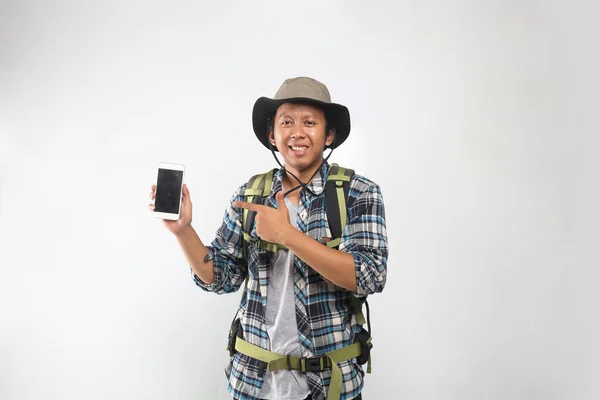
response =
{"points": [[169, 187]]}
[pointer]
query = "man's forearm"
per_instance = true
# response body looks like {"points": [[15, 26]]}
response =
{"points": [[195, 251], [334, 265]]}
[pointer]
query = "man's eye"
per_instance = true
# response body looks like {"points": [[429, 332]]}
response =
{"points": [[285, 123]]}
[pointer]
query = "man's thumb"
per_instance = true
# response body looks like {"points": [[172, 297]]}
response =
{"points": [[280, 201], [185, 195]]}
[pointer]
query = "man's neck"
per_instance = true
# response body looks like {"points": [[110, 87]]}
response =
{"points": [[304, 176]]}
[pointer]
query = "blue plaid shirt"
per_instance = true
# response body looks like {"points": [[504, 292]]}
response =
{"points": [[323, 310]]}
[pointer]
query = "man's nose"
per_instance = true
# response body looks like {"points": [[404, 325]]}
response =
{"points": [[298, 131]]}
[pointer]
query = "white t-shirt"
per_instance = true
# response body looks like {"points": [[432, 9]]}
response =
{"points": [[282, 328]]}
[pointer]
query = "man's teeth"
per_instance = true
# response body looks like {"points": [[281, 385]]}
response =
{"points": [[295, 148]]}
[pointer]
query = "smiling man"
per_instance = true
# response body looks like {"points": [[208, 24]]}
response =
{"points": [[308, 241]]}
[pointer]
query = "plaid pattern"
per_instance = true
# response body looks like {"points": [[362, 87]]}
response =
{"points": [[323, 310]]}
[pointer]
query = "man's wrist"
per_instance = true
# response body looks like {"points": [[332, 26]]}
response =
{"points": [[185, 232], [288, 236]]}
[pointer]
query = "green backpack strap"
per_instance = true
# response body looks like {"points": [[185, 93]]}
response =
{"points": [[258, 187], [337, 189], [360, 318]]}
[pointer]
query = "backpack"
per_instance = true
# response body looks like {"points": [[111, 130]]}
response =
{"points": [[336, 192]]}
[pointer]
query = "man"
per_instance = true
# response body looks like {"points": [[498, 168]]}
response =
{"points": [[297, 332]]}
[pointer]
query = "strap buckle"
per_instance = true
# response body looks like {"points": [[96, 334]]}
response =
{"points": [[313, 364], [365, 345]]}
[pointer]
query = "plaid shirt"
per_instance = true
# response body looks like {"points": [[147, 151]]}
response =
{"points": [[323, 311]]}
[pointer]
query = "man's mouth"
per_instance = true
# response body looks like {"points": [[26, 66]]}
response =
{"points": [[298, 150]]}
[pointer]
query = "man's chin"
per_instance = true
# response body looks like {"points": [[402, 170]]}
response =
{"points": [[301, 167]]}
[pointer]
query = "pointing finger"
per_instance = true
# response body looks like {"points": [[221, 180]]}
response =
{"points": [[248, 206]]}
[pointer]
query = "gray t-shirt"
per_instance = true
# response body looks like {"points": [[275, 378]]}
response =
{"points": [[281, 325]]}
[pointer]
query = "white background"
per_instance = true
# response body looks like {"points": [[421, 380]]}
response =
{"points": [[478, 119]]}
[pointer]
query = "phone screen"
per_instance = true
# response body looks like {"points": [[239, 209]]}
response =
{"points": [[168, 191]]}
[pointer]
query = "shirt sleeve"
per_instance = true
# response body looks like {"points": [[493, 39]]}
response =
{"points": [[227, 253], [365, 237]]}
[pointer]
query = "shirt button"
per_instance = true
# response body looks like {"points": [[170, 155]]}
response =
{"points": [[303, 215]]}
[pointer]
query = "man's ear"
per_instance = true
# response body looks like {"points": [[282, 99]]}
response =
{"points": [[271, 136], [329, 138]]}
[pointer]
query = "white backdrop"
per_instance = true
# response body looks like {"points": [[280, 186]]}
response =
{"points": [[477, 119]]}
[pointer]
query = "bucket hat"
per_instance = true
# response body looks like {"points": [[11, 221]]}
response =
{"points": [[301, 90]]}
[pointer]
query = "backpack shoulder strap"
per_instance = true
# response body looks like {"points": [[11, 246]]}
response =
{"points": [[337, 188], [257, 188]]}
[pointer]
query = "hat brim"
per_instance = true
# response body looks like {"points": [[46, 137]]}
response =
{"points": [[264, 109]]}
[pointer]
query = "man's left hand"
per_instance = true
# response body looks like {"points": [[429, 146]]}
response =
{"points": [[272, 224]]}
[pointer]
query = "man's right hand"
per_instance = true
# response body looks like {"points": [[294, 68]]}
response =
{"points": [[185, 215]]}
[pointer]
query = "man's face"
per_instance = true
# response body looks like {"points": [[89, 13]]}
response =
{"points": [[299, 135]]}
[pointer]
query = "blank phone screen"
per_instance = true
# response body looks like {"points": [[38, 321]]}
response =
{"points": [[168, 191]]}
